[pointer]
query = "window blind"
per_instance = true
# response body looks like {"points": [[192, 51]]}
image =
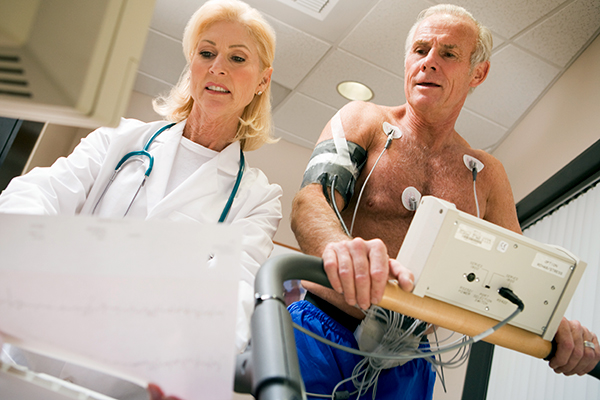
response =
{"points": [[576, 227]]}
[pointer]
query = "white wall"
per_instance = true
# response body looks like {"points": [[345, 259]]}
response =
{"points": [[564, 123], [284, 164]]}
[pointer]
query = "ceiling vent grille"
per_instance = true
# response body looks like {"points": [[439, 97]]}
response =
{"points": [[315, 8], [313, 5], [13, 82]]}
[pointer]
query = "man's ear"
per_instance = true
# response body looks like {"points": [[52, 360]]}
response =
{"points": [[480, 73]]}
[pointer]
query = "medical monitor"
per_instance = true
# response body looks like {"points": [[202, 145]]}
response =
{"points": [[463, 260]]}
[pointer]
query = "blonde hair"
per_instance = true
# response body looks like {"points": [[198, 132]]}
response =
{"points": [[483, 48], [255, 126]]}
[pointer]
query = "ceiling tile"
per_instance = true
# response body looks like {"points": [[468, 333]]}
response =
{"points": [[338, 22], [498, 40], [508, 17], [339, 66], [170, 17], [481, 133], [516, 80], [381, 35], [278, 94], [162, 58], [290, 137], [151, 86], [559, 38], [296, 54], [301, 117]]}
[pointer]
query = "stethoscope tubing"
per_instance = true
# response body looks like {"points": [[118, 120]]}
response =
{"points": [[127, 158], [236, 186]]}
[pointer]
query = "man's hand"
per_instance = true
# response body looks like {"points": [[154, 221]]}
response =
{"points": [[572, 357], [359, 269]]}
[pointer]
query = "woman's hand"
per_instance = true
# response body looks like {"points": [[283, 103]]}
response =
{"points": [[156, 393]]}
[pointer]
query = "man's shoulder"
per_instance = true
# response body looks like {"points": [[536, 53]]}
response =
{"points": [[362, 110], [485, 157], [362, 119]]}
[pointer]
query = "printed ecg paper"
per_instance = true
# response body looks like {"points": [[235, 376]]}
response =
{"points": [[149, 301]]}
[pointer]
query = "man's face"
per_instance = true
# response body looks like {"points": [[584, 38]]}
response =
{"points": [[437, 66]]}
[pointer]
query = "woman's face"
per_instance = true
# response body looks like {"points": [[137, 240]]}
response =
{"points": [[225, 71]]}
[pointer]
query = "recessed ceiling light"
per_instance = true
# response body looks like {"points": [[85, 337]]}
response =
{"points": [[355, 91]]}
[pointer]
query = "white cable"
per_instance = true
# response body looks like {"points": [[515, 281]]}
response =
{"points": [[476, 201], [439, 371], [8, 356], [334, 205], [398, 333], [365, 184]]}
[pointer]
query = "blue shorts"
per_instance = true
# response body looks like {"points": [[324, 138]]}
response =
{"points": [[323, 367]]}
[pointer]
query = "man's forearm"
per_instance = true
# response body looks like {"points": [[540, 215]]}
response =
{"points": [[314, 222]]}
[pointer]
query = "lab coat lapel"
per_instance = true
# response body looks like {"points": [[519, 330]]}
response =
{"points": [[164, 148], [207, 188]]}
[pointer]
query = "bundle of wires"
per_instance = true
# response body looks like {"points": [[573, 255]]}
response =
{"points": [[384, 332], [399, 343]]}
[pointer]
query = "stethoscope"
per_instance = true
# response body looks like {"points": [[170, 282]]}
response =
{"points": [[136, 155]]}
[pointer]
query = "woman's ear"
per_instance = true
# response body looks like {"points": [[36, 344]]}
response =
{"points": [[266, 78]]}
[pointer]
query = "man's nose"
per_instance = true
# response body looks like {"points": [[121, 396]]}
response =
{"points": [[430, 61]]}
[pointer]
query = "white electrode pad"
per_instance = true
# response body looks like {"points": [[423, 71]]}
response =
{"points": [[392, 130]]}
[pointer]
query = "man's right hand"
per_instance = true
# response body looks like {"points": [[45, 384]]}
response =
{"points": [[359, 269]]}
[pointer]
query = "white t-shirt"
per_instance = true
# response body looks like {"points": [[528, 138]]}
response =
{"points": [[190, 156]]}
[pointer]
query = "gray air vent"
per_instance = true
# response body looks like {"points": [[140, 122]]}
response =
{"points": [[315, 8], [12, 77], [313, 5]]}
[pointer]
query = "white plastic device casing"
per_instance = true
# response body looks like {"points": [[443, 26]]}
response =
{"points": [[463, 260]]}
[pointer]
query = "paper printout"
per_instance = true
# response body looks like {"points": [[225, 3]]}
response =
{"points": [[137, 299]]}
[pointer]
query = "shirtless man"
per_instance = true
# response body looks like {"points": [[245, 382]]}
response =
{"points": [[447, 56]]}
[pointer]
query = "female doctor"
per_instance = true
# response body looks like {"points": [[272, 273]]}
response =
{"points": [[190, 168]]}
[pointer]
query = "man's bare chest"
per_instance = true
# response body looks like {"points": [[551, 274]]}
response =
{"points": [[406, 173]]}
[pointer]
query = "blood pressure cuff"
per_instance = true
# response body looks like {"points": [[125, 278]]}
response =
{"points": [[331, 162]]}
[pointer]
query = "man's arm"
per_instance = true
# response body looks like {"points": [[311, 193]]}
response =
{"points": [[357, 269], [500, 205], [314, 222]]}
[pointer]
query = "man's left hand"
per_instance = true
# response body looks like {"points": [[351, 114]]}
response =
{"points": [[577, 350]]}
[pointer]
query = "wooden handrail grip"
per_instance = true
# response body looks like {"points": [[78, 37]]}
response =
{"points": [[463, 321]]}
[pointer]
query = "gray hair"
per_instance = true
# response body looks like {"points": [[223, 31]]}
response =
{"points": [[483, 48]]}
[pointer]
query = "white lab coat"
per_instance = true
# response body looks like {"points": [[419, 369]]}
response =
{"points": [[72, 185]]}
